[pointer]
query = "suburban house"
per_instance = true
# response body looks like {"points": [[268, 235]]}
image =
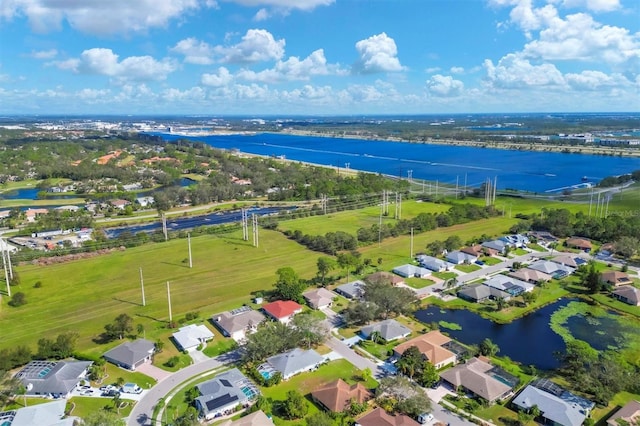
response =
{"points": [[351, 290], [627, 294], [498, 246], [569, 260], [431, 345], [530, 275], [237, 323], [478, 376], [130, 355], [579, 243], [145, 201], [478, 250], [432, 263], [616, 278], [557, 406], [47, 414], [120, 204], [480, 292], [319, 298], [459, 257], [191, 336], [282, 310], [257, 418], [386, 277], [412, 271], [516, 240], [389, 330], [630, 414], [222, 394], [542, 237], [50, 378], [551, 268], [295, 361], [512, 286], [379, 417], [337, 396]]}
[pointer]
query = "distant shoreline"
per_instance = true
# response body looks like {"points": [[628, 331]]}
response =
{"points": [[540, 147]]}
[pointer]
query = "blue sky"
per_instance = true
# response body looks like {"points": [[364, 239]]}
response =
{"points": [[318, 56]]}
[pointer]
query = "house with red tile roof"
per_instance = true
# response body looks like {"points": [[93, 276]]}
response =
{"points": [[282, 310], [379, 417], [337, 396]]}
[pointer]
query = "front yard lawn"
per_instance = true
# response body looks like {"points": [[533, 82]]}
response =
{"points": [[445, 275], [418, 283], [380, 351], [82, 406], [488, 260], [468, 268]]}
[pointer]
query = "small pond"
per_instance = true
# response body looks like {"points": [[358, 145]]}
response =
{"points": [[31, 194]]}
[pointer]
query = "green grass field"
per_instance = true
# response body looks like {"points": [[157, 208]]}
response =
{"points": [[85, 295], [82, 406], [352, 220]]}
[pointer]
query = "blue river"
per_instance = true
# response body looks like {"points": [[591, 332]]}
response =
{"points": [[523, 170]]}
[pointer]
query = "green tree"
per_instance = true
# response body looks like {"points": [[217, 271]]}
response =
{"points": [[401, 395], [591, 278], [189, 418], [626, 246], [140, 329], [120, 327], [436, 247], [310, 329], [325, 265], [289, 286], [390, 299], [18, 299], [429, 375], [359, 313], [488, 348], [295, 406], [501, 303], [319, 419], [453, 242], [410, 361], [529, 297], [348, 261], [9, 387]]}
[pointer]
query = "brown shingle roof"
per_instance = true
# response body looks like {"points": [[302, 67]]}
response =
{"points": [[379, 417], [337, 396], [579, 243], [630, 412], [430, 345], [474, 376], [616, 278]]}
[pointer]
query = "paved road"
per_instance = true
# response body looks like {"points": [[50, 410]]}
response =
{"points": [[143, 410]]}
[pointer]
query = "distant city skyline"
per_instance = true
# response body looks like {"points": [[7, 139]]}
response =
{"points": [[318, 57]]}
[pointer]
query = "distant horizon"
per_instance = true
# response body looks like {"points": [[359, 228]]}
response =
{"points": [[319, 57]]}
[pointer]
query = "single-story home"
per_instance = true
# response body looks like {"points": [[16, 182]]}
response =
{"points": [[337, 396], [222, 394], [542, 237], [120, 204], [319, 298], [282, 310], [295, 361], [477, 376], [351, 290], [257, 418], [498, 245], [47, 414], [478, 250], [516, 240], [551, 268], [480, 292], [145, 201], [50, 378], [379, 417], [458, 257], [627, 294], [412, 271], [512, 286], [432, 263], [389, 330], [130, 355], [629, 414], [431, 346], [569, 260], [238, 323], [579, 243], [616, 278], [386, 277], [191, 336], [557, 406], [530, 275]]}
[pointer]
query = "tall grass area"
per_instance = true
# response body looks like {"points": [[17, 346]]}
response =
{"points": [[85, 295]]}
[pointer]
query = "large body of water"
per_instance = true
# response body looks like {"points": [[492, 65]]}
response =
{"points": [[524, 170]]}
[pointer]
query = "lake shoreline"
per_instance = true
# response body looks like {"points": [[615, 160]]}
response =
{"points": [[512, 146]]}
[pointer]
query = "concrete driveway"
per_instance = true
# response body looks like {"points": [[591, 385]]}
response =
{"points": [[198, 356], [152, 371]]}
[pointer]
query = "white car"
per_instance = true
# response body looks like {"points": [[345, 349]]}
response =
{"points": [[425, 418]]}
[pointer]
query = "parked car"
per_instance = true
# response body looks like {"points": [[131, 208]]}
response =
{"points": [[425, 418]]}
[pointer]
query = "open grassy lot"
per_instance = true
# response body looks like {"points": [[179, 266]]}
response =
{"points": [[82, 406], [352, 220], [41, 203], [85, 295]]}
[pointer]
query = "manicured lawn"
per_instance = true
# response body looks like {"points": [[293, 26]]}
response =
{"points": [[468, 268], [19, 402], [536, 247], [488, 260], [84, 295], [380, 351], [114, 372], [609, 301], [84, 405], [519, 252], [418, 282], [445, 275]]}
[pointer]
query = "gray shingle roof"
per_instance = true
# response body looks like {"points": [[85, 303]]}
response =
{"points": [[389, 329], [223, 391], [231, 323], [47, 414], [294, 361], [565, 409], [45, 377], [130, 353], [352, 290], [475, 376], [409, 271], [192, 335]]}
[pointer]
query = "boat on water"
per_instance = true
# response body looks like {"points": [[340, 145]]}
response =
{"points": [[584, 178]]}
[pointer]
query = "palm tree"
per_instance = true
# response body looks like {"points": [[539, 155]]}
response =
{"points": [[375, 336], [116, 402], [501, 303]]}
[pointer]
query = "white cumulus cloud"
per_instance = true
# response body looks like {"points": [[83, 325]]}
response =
{"points": [[194, 51], [594, 5], [378, 53], [515, 72], [221, 78], [99, 17], [44, 54], [292, 69], [102, 61], [286, 4], [256, 46], [444, 86]]}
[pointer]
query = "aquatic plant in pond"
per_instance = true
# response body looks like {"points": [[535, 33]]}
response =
{"points": [[600, 328], [449, 325]]}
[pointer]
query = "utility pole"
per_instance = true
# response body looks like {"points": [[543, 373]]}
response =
{"points": [[495, 185], [397, 206], [606, 213], [400, 206], [380, 224], [457, 187], [6, 246], [189, 243], [254, 227], [245, 226], [144, 302], [465, 184], [590, 201], [410, 175], [6, 273], [169, 300], [164, 227], [436, 189], [411, 245]]}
